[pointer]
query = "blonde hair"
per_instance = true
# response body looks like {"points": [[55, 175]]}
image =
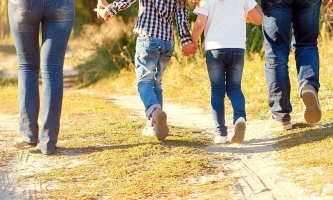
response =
{"points": [[196, 2]]}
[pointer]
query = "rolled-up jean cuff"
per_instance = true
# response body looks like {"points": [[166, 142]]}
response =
{"points": [[150, 110]]}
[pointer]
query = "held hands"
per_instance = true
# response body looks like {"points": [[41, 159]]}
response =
{"points": [[101, 11], [190, 49], [247, 18]]}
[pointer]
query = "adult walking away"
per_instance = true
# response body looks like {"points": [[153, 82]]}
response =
{"points": [[55, 18], [303, 18], [225, 37], [154, 48]]}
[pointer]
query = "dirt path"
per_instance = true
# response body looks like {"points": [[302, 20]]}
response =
{"points": [[260, 178]]}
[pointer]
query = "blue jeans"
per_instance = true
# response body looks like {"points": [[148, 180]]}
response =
{"points": [[55, 18], [280, 16], [225, 70], [151, 59]]}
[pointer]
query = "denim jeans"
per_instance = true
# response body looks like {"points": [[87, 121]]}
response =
{"points": [[151, 59], [225, 70], [280, 16], [55, 18]]}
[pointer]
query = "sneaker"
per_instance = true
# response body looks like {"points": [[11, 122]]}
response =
{"points": [[312, 111], [148, 131], [158, 118], [25, 145], [279, 126], [239, 130], [220, 139]]}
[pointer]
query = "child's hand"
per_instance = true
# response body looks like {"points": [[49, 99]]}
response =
{"points": [[102, 13], [190, 49], [100, 9], [329, 3], [247, 18]]}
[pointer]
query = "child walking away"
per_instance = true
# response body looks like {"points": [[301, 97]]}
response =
{"points": [[154, 48], [224, 29]]}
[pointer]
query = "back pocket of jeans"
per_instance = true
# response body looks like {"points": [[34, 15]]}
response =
{"points": [[24, 7], [238, 61], [65, 6]]}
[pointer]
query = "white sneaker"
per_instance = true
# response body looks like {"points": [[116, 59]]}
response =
{"points": [[239, 130], [220, 139], [149, 129]]}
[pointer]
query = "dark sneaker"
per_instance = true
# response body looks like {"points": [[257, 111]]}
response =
{"points": [[279, 126], [158, 118], [312, 111], [25, 145], [239, 130]]}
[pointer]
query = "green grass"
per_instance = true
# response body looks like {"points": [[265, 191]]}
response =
{"points": [[305, 153], [114, 160]]}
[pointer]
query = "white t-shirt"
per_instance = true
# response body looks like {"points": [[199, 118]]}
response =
{"points": [[226, 26]]}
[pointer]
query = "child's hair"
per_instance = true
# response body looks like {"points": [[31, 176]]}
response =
{"points": [[196, 2]]}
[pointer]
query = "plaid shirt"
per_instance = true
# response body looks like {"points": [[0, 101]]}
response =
{"points": [[155, 18]]}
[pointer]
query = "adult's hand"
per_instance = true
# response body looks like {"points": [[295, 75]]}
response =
{"points": [[189, 49]]}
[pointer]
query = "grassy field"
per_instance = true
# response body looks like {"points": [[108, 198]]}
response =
{"points": [[113, 159]]}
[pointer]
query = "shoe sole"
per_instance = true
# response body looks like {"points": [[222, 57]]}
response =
{"points": [[312, 112], [239, 133], [161, 128], [28, 146], [282, 128]]}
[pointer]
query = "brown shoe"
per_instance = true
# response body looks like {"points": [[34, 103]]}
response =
{"points": [[279, 126], [158, 118], [312, 111], [25, 145]]}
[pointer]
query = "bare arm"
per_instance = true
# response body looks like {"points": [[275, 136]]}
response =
{"points": [[198, 28], [256, 15]]}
